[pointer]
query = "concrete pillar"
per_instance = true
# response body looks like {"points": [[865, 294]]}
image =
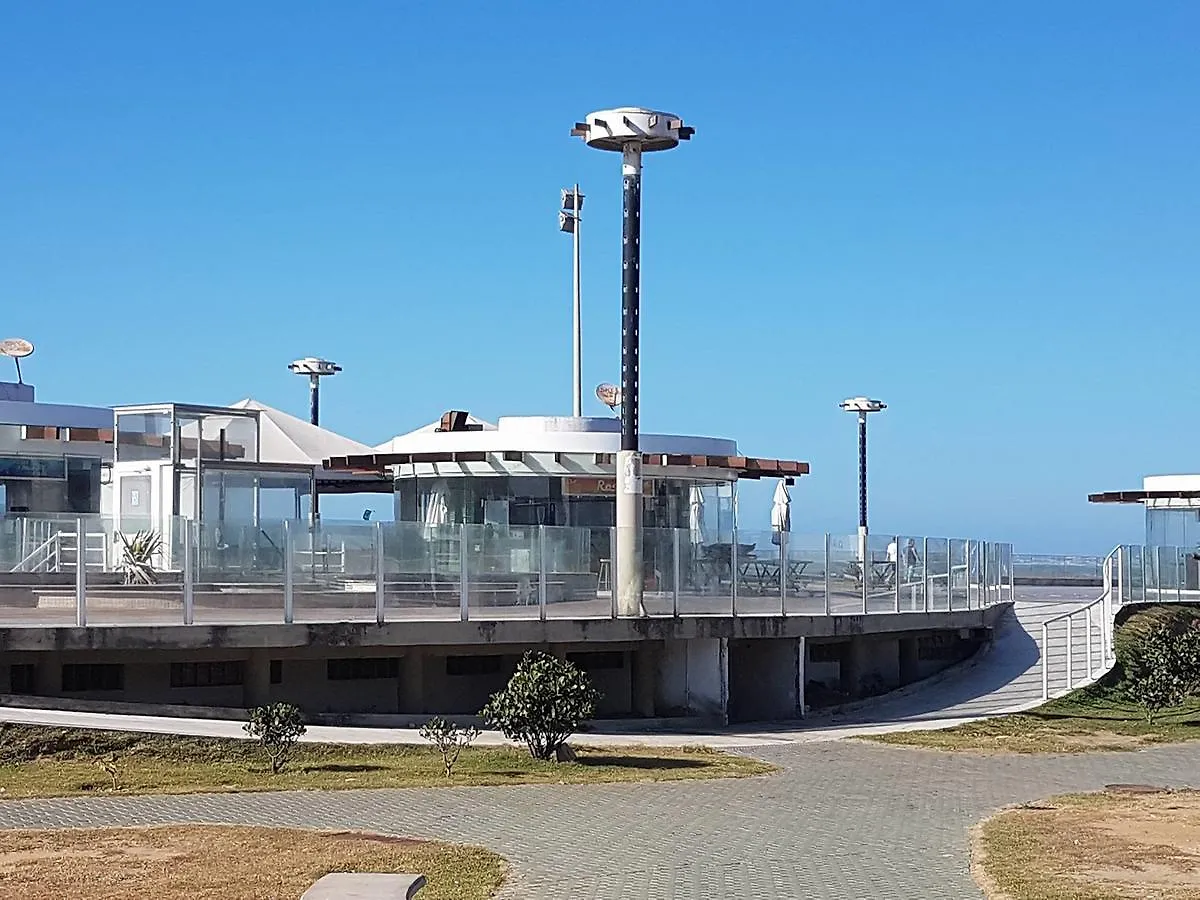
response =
{"points": [[47, 679], [256, 689], [412, 681], [854, 665], [910, 662], [644, 680]]}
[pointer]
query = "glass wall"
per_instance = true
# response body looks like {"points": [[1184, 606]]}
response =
{"points": [[574, 501], [143, 436], [1172, 526]]}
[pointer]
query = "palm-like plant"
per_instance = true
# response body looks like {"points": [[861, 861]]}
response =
{"points": [[138, 560]]}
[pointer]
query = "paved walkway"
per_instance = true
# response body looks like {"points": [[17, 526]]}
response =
{"points": [[845, 821], [841, 820]]}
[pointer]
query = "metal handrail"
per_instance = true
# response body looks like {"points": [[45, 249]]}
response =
{"points": [[1099, 614]]}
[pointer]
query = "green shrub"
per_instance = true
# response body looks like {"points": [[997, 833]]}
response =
{"points": [[449, 739], [277, 728], [1129, 640], [1169, 661], [544, 703]]}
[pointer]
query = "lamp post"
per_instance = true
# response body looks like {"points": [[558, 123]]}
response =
{"points": [[631, 131], [570, 219], [863, 406], [315, 369]]}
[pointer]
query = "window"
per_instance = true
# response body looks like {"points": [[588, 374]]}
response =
{"points": [[473, 665], [277, 671], [593, 661], [93, 677], [359, 668], [825, 653], [22, 678], [207, 674]]}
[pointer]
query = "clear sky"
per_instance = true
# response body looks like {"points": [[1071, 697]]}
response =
{"points": [[986, 214]]}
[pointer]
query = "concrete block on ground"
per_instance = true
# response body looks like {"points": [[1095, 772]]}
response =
{"points": [[365, 886]]}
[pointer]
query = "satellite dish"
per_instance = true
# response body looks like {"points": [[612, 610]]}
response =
{"points": [[17, 349], [609, 395]]}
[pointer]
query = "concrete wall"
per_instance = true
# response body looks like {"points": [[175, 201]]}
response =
{"points": [[693, 678]]}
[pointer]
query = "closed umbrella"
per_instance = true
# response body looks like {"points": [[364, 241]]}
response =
{"points": [[696, 514], [436, 511], [781, 512]]}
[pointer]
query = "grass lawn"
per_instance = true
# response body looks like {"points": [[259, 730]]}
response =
{"points": [[1093, 718], [1105, 846], [56, 762], [216, 862]]}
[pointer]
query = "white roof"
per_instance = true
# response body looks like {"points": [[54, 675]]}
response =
{"points": [[400, 443], [284, 438]]}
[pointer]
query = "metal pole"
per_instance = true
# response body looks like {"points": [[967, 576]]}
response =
{"points": [[1088, 624], [80, 574], [801, 674], [1070, 654], [189, 574], [577, 317], [675, 593], [1045, 661], [896, 573], [862, 499], [380, 575], [314, 399], [289, 573], [542, 572], [783, 572], [733, 573], [967, 558], [629, 581], [827, 573], [925, 572], [463, 592]]}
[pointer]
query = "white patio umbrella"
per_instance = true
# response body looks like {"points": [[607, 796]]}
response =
{"points": [[696, 514], [781, 511], [436, 511]]}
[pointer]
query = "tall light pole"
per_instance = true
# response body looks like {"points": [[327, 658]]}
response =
{"points": [[315, 369], [863, 406], [630, 131], [569, 219]]}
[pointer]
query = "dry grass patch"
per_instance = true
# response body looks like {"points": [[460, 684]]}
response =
{"points": [[219, 862], [1092, 719], [51, 762], [1109, 846]]}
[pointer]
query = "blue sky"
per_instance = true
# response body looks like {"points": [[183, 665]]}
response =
{"points": [[985, 214]]}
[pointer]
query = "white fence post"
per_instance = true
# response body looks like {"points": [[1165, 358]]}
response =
{"points": [[827, 573], [189, 571], [1070, 655], [380, 574], [542, 572], [675, 567], [80, 573], [464, 594], [925, 572], [289, 573], [1045, 661]]}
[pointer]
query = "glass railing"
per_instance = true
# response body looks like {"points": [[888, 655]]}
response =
{"points": [[291, 571]]}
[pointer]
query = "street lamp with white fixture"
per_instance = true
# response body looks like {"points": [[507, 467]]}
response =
{"points": [[863, 406]]}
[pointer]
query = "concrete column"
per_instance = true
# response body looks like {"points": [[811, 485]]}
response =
{"points": [[910, 662], [256, 690], [47, 678], [644, 680], [854, 665], [412, 681]]}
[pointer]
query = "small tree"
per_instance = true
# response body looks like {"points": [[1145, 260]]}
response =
{"points": [[277, 728], [1170, 669], [449, 739], [544, 703]]}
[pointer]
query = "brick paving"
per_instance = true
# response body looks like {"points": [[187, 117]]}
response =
{"points": [[841, 820]]}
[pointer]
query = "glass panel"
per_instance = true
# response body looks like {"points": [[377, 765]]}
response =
{"points": [[658, 561], [143, 436], [502, 566], [845, 575], [578, 572], [333, 573], [805, 554], [882, 554], [911, 568], [958, 574], [422, 571]]}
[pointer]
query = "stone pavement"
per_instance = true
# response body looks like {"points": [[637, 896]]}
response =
{"points": [[842, 820]]}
